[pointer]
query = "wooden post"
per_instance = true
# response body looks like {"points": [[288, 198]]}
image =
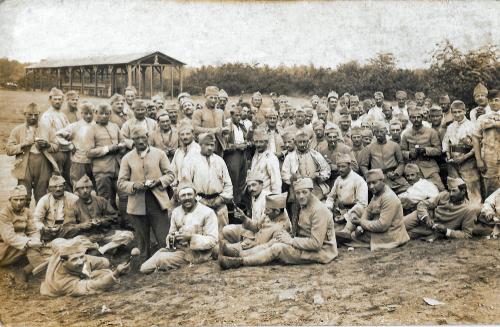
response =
{"points": [[41, 80], [143, 78], [96, 79], [161, 79], [171, 82], [113, 81], [33, 79], [129, 75], [180, 77], [59, 82], [151, 81], [139, 91], [70, 78], [82, 71]]}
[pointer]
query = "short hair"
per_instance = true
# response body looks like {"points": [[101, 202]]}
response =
{"points": [[86, 106], [130, 88], [103, 106], [115, 97]]}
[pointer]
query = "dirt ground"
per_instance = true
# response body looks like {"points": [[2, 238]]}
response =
{"points": [[358, 288]]}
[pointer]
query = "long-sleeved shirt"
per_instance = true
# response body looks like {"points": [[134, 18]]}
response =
{"points": [[126, 130], [207, 120], [473, 113], [457, 218], [16, 229], [421, 190], [426, 138], [165, 140], [386, 156], [76, 133], [258, 206], [99, 139], [54, 119], [305, 164], [492, 204], [99, 207], [487, 131], [118, 118], [268, 164], [351, 190], [209, 175], [180, 156], [50, 211], [293, 130], [202, 223], [458, 133]]}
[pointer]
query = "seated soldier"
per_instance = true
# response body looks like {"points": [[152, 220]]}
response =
{"points": [[260, 231], [192, 236], [255, 186], [71, 272], [420, 189], [314, 241], [447, 215], [348, 197], [94, 216], [381, 225], [54, 214], [489, 218], [19, 236]]}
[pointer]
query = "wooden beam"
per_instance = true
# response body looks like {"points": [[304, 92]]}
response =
{"points": [[33, 80], [96, 70], [180, 77], [70, 78], [129, 75], [82, 71], [59, 82], [151, 81], [41, 80], [161, 79], [171, 82], [143, 78]]}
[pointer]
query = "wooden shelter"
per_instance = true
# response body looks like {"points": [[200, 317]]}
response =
{"points": [[150, 73]]}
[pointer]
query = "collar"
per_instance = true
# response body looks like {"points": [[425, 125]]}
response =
{"points": [[143, 153]]}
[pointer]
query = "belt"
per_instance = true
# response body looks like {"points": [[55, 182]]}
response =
{"points": [[460, 148], [345, 206], [209, 196]]}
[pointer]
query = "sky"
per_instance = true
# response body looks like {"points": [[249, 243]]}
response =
{"points": [[210, 33]]}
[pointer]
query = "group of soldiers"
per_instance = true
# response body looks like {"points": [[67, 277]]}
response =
{"points": [[244, 183]]}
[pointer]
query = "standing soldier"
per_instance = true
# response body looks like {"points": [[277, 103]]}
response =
{"points": [[333, 115], [266, 163], [420, 99], [54, 119], [260, 115], [117, 115], [420, 145], [139, 120], [223, 99], [481, 98], [299, 124], [445, 103], [357, 143], [186, 147], [34, 163], [486, 143], [457, 144], [274, 131], [130, 95], [165, 137], [401, 109], [210, 119], [144, 175], [377, 113], [71, 109]]}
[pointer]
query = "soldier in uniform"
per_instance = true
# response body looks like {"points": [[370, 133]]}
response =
{"points": [[71, 109], [481, 98]]}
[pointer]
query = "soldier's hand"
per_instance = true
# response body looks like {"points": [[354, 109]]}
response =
{"points": [[459, 160], [139, 187], [183, 238], [284, 237], [122, 268], [42, 144], [439, 228], [355, 220], [413, 154], [28, 143], [34, 243]]}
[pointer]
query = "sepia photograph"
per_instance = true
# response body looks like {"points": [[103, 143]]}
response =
{"points": [[249, 163]]}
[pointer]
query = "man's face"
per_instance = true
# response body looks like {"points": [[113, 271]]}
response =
{"points": [[420, 101], [375, 185], [188, 108], [481, 100], [367, 140], [187, 196], [57, 191], [416, 120], [401, 102], [379, 100], [271, 121], [75, 262], [319, 132], [260, 145], [345, 124], [387, 111], [140, 112], [272, 213], [458, 114], [56, 101], [332, 139], [314, 102], [445, 105], [253, 112], [18, 203], [236, 117], [31, 119], [353, 103], [425, 115], [84, 192], [186, 136], [412, 177], [164, 122], [379, 134], [356, 140], [102, 116], [73, 102], [303, 196], [344, 169], [395, 131], [151, 112], [207, 148], [117, 105], [332, 103], [436, 119], [309, 118], [244, 113], [140, 142], [322, 116], [302, 144], [211, 101], [88, 115], [495, 104], [254, 188], [222, 103], [300, 118], [456, 195], [355, 112], [257, 102], [173, 116], [129, 97], [290, 144], [159, 104]]}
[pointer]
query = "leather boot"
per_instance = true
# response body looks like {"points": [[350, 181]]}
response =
{"points": [[229, 262]]}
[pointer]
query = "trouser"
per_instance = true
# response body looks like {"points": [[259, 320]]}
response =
{"points": [[78, 170], [436, 180], [233, 233], [470, 176], [164, 260], [237, 167], [155, 219], [35, 257], [491, 184], [416, 229], [106, 186], [221, 212], [37, 175], [63, 160], [398, 185], [491, 177], [122, 210], [263, 254]]}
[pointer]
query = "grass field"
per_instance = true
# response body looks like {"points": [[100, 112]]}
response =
{"points": [[357, 288]]}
